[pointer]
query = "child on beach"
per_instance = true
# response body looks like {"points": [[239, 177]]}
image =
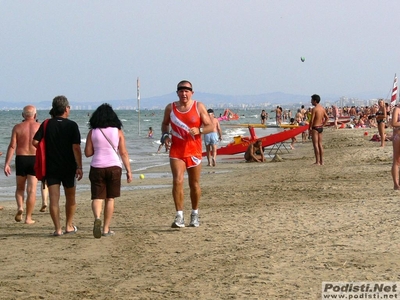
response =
{"points": [[162, 143], [294, 140], [255, 152], [150, 133]]}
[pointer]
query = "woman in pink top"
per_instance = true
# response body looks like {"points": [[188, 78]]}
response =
{"points": [[104, 141]]}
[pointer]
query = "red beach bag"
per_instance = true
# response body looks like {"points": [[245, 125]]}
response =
{"points": [[40, 161]]}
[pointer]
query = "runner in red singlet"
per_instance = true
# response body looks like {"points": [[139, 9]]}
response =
{"points": [[187, 119]]}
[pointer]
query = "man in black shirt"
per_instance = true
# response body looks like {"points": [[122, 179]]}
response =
{"points": [[63, 162]]}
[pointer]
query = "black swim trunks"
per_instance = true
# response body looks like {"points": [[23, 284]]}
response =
{"points": [[318, 128], [24, 165]]}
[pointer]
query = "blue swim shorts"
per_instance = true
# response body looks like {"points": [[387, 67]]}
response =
{"points": [[211, 138]]}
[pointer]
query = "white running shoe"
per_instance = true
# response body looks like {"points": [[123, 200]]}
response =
{"points": [[194, 220], [179, 222]]}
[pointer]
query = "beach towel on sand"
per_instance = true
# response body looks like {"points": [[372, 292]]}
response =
{"points": [[377, 138]]}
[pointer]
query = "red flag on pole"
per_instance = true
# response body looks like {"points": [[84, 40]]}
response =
{"points": [[138, 102], [394, 92]]}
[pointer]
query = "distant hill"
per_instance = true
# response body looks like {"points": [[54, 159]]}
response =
{"points": [[210, 100]]}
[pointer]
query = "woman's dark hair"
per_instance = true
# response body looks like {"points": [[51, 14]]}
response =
{"points": [[103, 117]]}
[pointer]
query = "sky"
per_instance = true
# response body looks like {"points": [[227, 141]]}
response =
{"points": [[94, 50]]}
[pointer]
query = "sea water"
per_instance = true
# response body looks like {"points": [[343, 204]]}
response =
{"points": [[142, 149]]}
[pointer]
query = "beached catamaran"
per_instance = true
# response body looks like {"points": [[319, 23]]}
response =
{"points": [[240, 143]]}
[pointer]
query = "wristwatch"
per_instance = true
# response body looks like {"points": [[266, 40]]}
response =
{"points": [[201, 129]]}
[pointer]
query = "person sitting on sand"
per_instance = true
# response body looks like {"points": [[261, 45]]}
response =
{"points": [[255, 152], [294, 140]]}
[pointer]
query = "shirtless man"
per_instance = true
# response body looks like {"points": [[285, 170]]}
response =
{"points": [[21, 144], [335, 114], [254, 152], [211, 139], [319, 118], [278, 115]]}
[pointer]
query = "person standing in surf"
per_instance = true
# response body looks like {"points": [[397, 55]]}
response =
{"points": [[263, 117]]}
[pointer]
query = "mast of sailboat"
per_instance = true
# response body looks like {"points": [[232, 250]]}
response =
{"points": [[138, 102], [393, 99]]}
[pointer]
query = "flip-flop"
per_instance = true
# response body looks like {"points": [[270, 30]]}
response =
{"points": [[110, 233], [57, 234], [18, 216], [43, 209], [73, 231], [97, 228]]}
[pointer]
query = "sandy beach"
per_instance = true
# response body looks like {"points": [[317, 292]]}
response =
{"points": [[268, 231]]}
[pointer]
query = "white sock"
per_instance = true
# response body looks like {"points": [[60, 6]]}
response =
{"points": [[195, 211], [179, 213]]}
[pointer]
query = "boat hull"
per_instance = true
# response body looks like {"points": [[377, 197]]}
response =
{"points": [[340, 121], [241, 145]]}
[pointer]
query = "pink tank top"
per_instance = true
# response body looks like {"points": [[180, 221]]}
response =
{"points": [[104, 155]]}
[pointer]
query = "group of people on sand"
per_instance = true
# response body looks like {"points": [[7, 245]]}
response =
{"points": [[316, 119], [184, 121], [385, 117], [375, 116], [105, 143]]}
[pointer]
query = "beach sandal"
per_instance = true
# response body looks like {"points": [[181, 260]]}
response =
{"points": [[110, 233], [43, 208], [73, 231], [97, 228], [18, 216], [57, 234]]}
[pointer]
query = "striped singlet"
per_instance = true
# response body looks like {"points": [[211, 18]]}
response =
{"points": [[183, 143]]}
